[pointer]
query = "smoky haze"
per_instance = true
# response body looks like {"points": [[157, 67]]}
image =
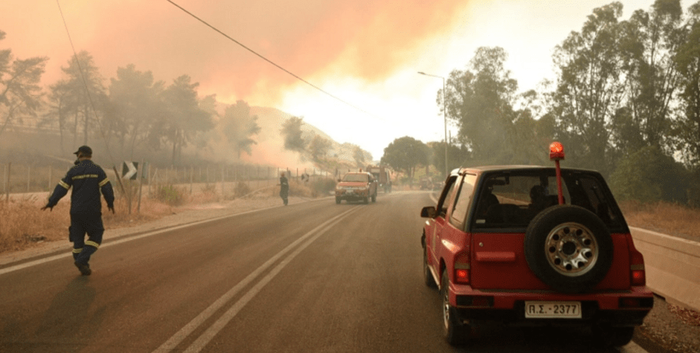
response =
{"points": [[314, 39]]}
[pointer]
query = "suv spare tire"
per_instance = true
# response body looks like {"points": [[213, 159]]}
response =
{"points": [[569, 248]]}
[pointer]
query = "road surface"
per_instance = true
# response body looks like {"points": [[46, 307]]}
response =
{"points": [[310, 277]]}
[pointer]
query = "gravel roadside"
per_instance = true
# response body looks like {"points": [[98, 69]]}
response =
{"points": [[667, 328]]}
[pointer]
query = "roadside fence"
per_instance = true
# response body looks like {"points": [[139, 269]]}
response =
{"points": [[27, 178]]}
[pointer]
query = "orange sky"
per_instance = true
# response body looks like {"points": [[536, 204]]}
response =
{"points": [[367, 52], [304, 37]]}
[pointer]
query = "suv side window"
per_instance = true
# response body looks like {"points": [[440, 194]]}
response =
{"points": [[464, 198], [447, 196]]}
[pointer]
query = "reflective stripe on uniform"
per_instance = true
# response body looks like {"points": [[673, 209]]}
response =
{"points": [[92, 243], [85, 176], [104, 182], [63, 183], [77, 251]]}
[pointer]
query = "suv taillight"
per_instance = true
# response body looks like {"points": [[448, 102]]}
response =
{"points": [[637, 274], [462, 268]]}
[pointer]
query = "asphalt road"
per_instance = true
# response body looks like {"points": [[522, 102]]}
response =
{"points": [[311, 277]]}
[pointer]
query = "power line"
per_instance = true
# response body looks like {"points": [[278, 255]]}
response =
{"points": [[87, 89], [268, 60]]}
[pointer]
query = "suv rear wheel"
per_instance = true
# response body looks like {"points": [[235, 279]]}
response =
{"points": [[569, 248], [454, 331]]}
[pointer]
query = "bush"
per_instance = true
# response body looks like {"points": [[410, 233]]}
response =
{"points": [[322, 187], [241, 189], [648, 175], [170, 195]]}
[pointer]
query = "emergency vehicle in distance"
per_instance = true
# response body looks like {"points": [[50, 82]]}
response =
{"points": [[533, 246], [382, 174], [356, 186]]}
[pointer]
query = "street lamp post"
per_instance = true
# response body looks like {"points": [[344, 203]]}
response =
{"points": [[444, 115]]}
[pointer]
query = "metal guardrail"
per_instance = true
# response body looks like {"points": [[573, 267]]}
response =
{"points": [[672, 266]]}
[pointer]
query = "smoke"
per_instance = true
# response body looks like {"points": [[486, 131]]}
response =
{"points": [[314, 39]]}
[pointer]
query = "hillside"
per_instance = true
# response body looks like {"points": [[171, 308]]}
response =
{"points": [[270, 147]]}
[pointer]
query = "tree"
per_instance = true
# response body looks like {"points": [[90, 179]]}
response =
{"points": [[80, 97], [649, 175], [648, 43], [456, 155], [405, 154], [20, 93], [318, 147], [239, 127], [134, 106], [589, 89], [359, 156], [292, 134], [480, 100], [183, 118], [687, 125]]}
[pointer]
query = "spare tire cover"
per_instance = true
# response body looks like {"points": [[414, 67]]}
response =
{"points": [[569, 248]]}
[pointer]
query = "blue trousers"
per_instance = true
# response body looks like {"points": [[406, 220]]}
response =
{"points": [[81, 225]]}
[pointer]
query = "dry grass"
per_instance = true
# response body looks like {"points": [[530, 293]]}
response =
{"points": [[24, 225], [668, 218]]}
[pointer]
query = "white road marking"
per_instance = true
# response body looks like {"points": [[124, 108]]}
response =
{"points": [[176, 339], [123, 239]]}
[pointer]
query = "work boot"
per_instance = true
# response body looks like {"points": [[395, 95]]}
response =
{"points": [[83, 268]]}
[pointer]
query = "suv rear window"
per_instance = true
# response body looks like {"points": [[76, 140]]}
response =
{"points": [[512, 199]]}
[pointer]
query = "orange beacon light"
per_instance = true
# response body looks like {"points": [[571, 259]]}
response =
{"points": [[556, 153]]}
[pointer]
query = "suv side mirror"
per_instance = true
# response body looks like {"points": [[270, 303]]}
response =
{"points": [[428, 212]]}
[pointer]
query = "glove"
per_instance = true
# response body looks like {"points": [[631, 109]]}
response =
{"points": [[111, 208]]}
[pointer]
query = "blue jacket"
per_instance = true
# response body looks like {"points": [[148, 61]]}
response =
{"points": [[87, 180]]}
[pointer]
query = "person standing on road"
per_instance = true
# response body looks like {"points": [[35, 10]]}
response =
{"points": [[284, 189], [87, 180]]}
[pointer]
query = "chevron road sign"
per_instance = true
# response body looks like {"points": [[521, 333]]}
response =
{"points": [[129, 170]]}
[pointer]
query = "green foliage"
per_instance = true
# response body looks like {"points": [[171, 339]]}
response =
{"points": [[318, 147], [80, 98], [359, 156], [134, 104], [589, 87], [242, 189], [291, 131], [20, 93], [649, 176], [405, 154], [686, 128], [322, 186], [170, 195], [481, 101], [184, 117], [456, 157], [209, 189], [239, 126]]}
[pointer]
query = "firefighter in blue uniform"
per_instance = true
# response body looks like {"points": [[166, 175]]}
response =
{"points": [[87, 180]]}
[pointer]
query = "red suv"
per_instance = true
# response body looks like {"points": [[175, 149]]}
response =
{"points": [[533, 246]]}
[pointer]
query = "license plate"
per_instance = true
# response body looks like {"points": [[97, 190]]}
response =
{"points": [[552, 310]]}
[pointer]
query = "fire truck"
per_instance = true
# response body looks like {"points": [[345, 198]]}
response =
{"points": [[382, 174]]}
